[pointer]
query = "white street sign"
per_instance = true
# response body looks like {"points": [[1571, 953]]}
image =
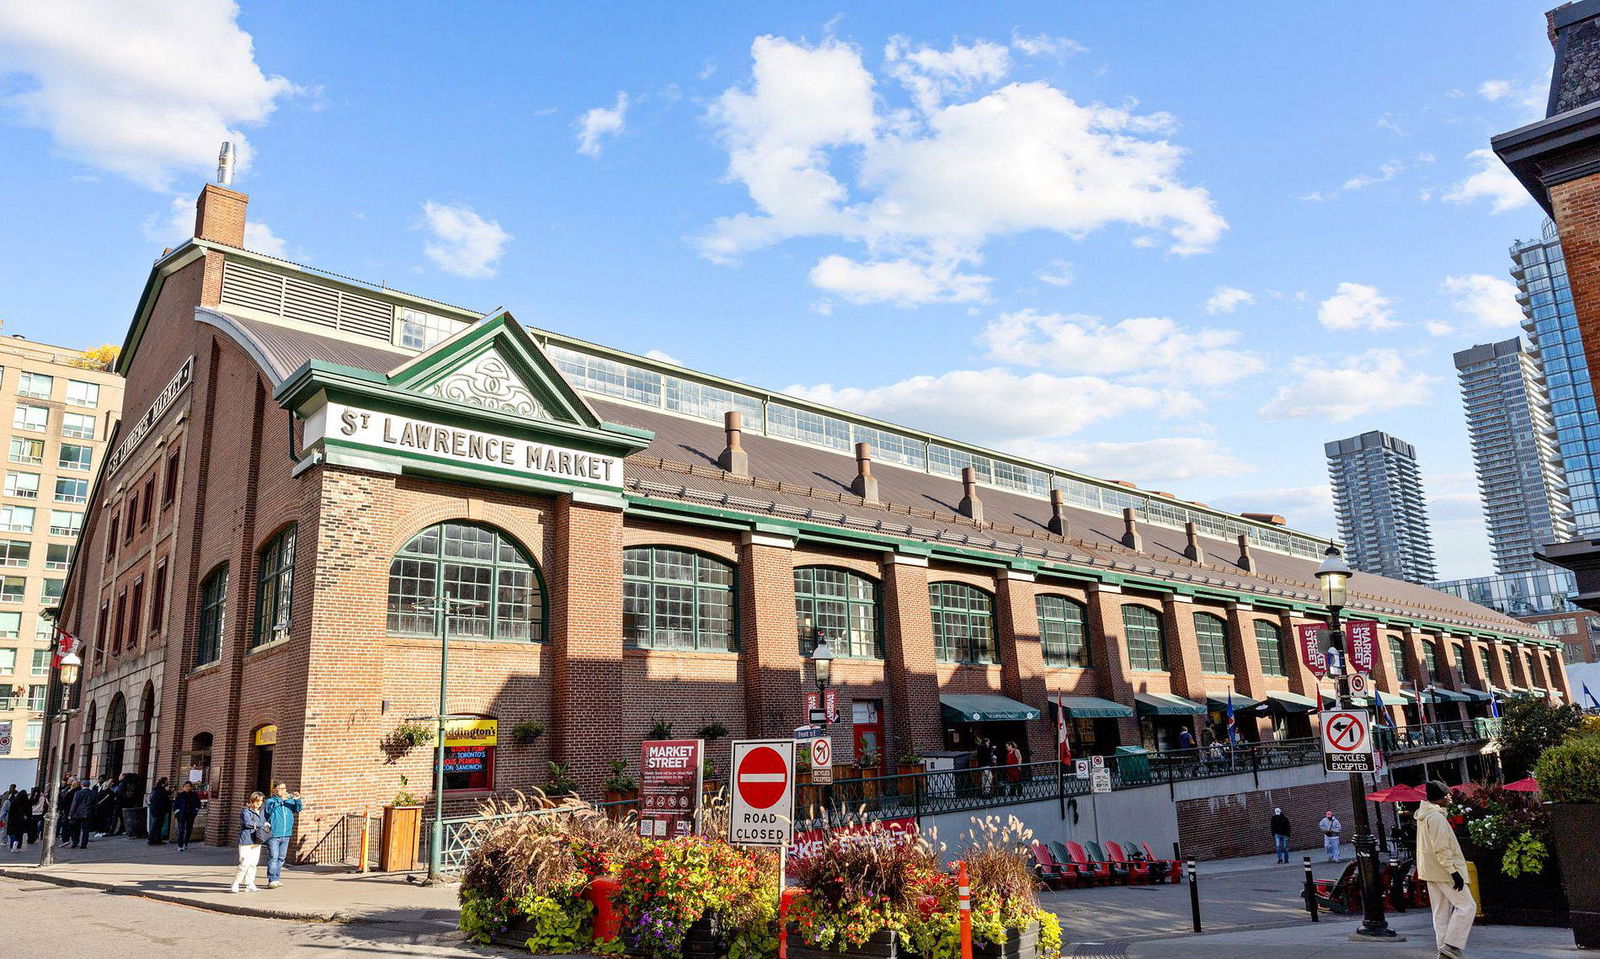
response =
{"points": [[1347, 741], [1080, 768], [1097, 761], [1101, 781], [761, 810]]}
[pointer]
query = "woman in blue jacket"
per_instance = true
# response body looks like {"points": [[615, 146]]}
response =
{"points": [[281, 810], [253, 831]]}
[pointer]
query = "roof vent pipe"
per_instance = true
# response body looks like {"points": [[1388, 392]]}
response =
{"points": [[1058, 512], [1192, 548], [971, 506], [1130, 530], [225, 164], [1247, 562], [864, 485], [733, 459]]}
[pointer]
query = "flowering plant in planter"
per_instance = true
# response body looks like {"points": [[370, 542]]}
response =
{"points": [[866, 881], [670, 886], [1005, 903], [1512, 825]]}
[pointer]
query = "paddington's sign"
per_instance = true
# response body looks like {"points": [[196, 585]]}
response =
{"points": [[389, 432]]}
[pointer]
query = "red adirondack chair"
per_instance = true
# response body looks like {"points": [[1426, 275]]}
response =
{"points": [[1163, 870], [1095, 872], [1138, 869], [1055, 874]]}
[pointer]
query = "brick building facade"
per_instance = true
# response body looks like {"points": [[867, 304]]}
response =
{"points": [[331, 458]]}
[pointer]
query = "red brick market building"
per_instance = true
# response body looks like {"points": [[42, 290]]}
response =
{"points": [[309, 462]]}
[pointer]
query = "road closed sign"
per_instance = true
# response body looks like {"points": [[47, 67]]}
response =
{"points": [[1347, 741], [761, 812]]}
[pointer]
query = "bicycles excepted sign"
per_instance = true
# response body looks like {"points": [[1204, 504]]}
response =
{"points": [[1347, 741]]}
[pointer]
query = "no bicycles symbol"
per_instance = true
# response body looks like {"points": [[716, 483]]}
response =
{"points": [[1347, 741]]}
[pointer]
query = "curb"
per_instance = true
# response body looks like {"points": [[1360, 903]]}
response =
{"points": [[222, 907]]}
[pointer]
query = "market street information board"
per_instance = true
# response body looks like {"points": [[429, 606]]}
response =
{"points": [[669, 787], [1347, 741]]}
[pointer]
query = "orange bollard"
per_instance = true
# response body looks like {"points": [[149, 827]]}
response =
{"points": [[965, 893], [366, 836]]}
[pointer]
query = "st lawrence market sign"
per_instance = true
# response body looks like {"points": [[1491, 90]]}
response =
{"points": [[141, 427], [421, 439]]}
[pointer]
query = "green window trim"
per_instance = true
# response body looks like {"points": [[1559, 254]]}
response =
{"points": [[1397, 652], [498, 588], [274, 588], [843, 606], [213, 617], [1147, 645], [1211, 634], [963, 624], [1063, 632], [678, 599], [1269, 643]]}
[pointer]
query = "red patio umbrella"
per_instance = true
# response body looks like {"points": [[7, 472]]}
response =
{"points": [[1400, 793], [1529, 785]]}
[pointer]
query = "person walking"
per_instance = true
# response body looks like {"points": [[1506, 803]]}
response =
{"points": [[1013, 769], [79, 813], [1441, 865], [185, 807], [1331, 828], [254, 832], [1280, 834], [63, 801], [281, 810], [985, 759], [105, 806], [1185, 738], [159, 807], [19, 819]]}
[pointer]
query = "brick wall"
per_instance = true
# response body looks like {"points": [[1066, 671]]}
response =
{"points": [[1240, 825]]}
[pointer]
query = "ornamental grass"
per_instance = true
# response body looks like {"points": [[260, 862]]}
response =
{"points": [[867, 880]]}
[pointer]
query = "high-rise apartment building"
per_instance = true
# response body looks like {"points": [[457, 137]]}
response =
{"points": [[1377, 495], [1551, 323], [1520, 478], [57, 409]]}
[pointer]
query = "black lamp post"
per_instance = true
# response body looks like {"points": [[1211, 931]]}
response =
{"points": [[67, 675], [1334, 575]]}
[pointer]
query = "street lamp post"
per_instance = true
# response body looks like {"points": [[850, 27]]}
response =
{"points": [[67, 676], [1334, 576], [444, 608], [822, 664]]}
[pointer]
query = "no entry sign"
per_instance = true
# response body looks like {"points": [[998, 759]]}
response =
{"points": [[761, 812], [1347, 741]]}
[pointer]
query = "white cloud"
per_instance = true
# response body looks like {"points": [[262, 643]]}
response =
{"points": [[1152, 463], [1151, 349], [1439, 328], [601, 122], [820, 156], [931, 74], [461, 242], [1489, 300], [1388, 171], [998, 405], [1360, 384], [1057, 272], [177, 225], [1495, 90], [1356, 306], [1532, 96], [663, 357], [1044, 45], [145, 89], [258, 236], [1226, 299], [901, 282], [1492, 182]]}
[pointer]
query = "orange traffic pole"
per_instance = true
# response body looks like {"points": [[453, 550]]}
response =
{"points": [[965, 893]]}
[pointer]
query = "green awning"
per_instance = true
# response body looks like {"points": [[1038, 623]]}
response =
{"points": [[1291, 702], [1165, 704], [983, 708], [1092, 707], [1446, 696], [1474, 695], [1240, 703]]}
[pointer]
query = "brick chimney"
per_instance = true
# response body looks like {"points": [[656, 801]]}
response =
{"points": [[864, 485], [971, 506], [733, 459], [1058, 512], [1130, 530], [1247, 561], [219, 215], [1192, 548]]}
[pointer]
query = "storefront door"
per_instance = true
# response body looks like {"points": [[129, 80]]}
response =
{"points": [[866, 718]]}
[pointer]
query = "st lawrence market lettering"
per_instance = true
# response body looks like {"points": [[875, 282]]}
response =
{"points": [[470, 447]]}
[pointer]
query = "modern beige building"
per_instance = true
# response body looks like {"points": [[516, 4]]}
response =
{"points": [[57, 408]]}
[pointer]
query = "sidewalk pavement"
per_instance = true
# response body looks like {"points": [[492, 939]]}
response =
{"points": [[1330, 940], [200, 878]]}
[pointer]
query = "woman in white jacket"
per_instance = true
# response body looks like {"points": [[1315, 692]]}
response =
{"points": [[1441, 865]]}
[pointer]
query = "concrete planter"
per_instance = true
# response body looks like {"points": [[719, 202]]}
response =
{"points": [[1576, 828], [884, 944], [1020, 944]]}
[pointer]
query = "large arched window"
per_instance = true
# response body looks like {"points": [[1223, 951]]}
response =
{"points": [[1211, 633], [274, 588], [1062, 633], [840, 606], [1397, 652], [494, 585], [963, 623], [1147, 648], [1269, 643], [116, 733], [675, 599], [1430, 662], [213, 617]]}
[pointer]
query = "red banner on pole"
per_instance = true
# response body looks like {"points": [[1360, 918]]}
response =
{"points": [[1311, 637], [1360, 642]]}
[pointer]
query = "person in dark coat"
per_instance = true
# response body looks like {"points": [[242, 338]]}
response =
{"points": [[63, 799], [1280, 834], [185, 807], [19, 819], [160, 806], [986, 761], [79, 812]]}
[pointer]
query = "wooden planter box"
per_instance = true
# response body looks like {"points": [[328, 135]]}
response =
{"points": [[908, 787], [398, 845], [1020, 944], [884, 944]]}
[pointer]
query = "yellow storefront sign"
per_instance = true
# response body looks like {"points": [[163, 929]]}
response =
{"points": [[459, 733]]}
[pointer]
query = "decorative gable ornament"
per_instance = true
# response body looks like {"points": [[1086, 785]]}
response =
{"points": [[488, 382]]}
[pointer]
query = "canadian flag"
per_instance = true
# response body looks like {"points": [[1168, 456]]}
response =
{"points": [[65, 643]]}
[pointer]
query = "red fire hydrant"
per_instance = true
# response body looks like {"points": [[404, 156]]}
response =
{"points": [[601, 891]]}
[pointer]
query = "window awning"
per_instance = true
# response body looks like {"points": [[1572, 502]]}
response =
{"points": [[1474, 695], [1092, 707], [983, 708], [1446, 696], [1165, 704], [1291, 702], [1220, 701]]}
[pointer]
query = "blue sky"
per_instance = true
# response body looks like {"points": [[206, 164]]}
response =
{"points": [[1181, 244]]}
